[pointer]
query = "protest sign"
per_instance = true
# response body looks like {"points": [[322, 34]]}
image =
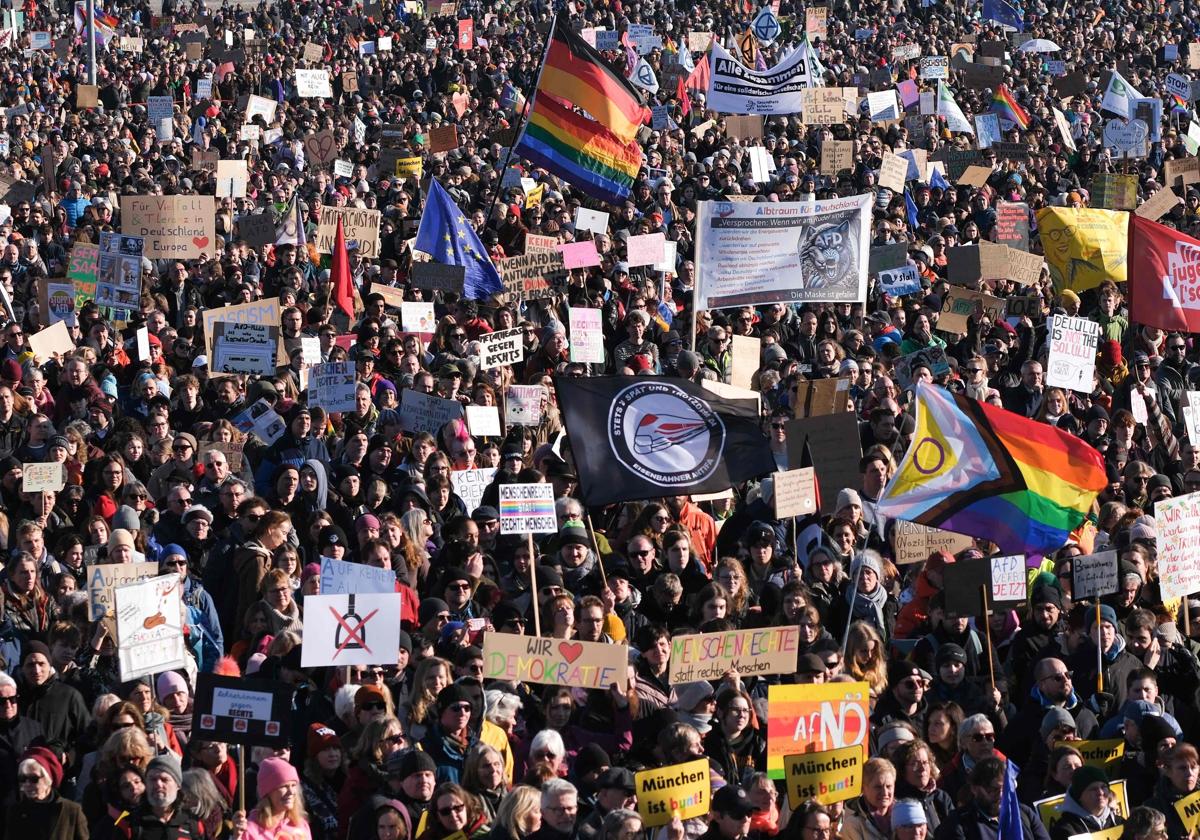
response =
{"points": [[258, 229], [709, 656], [932, 358], [43, 476], [527, 509], [265, 312], [331, 386], [233, 451], [119, 273], [892, 172], [587, 335], [81, 271], [87, 96], [581, 254], [174, 227], [321, 148], [836, 438], [836, 155], [828, 777], [244, 348], [360, 225], [160, 112], [1012, 224], [646, 249], [351, 629], [418, 316], [678, 790], [532, 275], [813, 719], [935, 67], [1050, 808], [149, 617], [1008, 579], [1188, 807], [260, 419], [816, 397], [594, 220], [900, 281], [1094, 575], [437, 276], [341, 578], [746, 352], [795, 492], [504, 347], [1178, 524], [523, 404], [484, 421], [233, 711], [56, 300], [54, 339], [103, 578], [884, 257], [313, 84], [959, 304], [964, 583], [1105, 754], [426, 413], [1158, 205], [913, 543], [745, 257], [536, 659], [816, 21], [1072, 360], [470, 484]]}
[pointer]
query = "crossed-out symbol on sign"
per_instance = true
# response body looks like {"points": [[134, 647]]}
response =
{"points": [[352, 633]]}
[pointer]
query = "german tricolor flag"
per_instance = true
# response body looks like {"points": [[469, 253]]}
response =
{"points": [[575, 72]]}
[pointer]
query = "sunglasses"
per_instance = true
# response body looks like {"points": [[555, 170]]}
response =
{"points": [[32, 779], [451, 809], [374, 706], [980, 737]]}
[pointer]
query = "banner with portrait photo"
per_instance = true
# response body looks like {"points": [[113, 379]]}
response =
{"points": [[749, 254]]}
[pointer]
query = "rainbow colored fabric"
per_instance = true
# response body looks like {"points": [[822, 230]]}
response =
{"points": [[979, 470], [1006, 107]]}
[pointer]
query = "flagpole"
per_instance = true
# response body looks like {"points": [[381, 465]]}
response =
{"points": [[522, 119], [91, 36]]}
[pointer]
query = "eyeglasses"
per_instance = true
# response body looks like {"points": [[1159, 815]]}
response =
{"points": [[980, 737], [1061, 676], [31, 779], [451, 809], [377, 706], [460, 708]]}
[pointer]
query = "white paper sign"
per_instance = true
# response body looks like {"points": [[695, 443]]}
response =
{"points": [[484, 421], [527, 509], [331, 386], [587, 335], [594, 220], [341, 578], [43, 476], [1094, 575], [1178, 527], [351, 629], [523, 405], [501, 348], [1008, 578], [313, 84], [1072, 361], [470, 484], [150, 627]]}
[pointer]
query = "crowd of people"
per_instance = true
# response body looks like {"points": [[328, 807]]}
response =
{"points": [[973, 718]]}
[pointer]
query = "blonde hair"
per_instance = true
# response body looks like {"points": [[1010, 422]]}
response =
{"points": [[266, 816], [874, 673], [516, 808], [421, 700]]}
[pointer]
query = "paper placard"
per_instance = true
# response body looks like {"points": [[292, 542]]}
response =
{"points": [[484, 421], [233, 711], [914, 543], [586, 330], [174, 227], [580, 254], [709, 656], [836, 155], [537, 659], [103, 578], [594, 220], [1094, 575], [56, 338], [244, 348], [361, 227], [527, 509], [1158, 205], [1178, 524], [804, 719], [1008, 579], [505, 347], [827, 777], [646, 249], [149, 617], [470, 484], [43, 476], [426, 413], [342, 578], [331, 386], [682, 790], [351, 629], [795, 492], [313, 84], [1072, 360], [892, 172]]}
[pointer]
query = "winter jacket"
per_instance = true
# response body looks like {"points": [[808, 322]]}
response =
{"points": [[54, 818]]}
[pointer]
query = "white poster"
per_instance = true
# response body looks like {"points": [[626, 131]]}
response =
{"points": [[1094, 574], [527, 509], [587, 335], [351, 629], [341, 578], [426, 413], [1072, 361], [160, 111], [484, 421], [331, 386], [313, 84], [749, 254], [244, 348], [1178, 524], [523, 405], [149, 627], [734, 88], [505, 347], [470, 484]]}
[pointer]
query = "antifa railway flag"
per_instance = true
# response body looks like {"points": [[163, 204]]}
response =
{"points": [[1164, 276], [637, 437]]}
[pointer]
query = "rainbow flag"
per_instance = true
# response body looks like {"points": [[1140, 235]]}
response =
{"points": [[982, 471], [574, 72], [579, 150], [1007, 108]]}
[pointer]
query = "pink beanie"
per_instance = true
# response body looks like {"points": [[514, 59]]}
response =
{"points": [[273, 774]]}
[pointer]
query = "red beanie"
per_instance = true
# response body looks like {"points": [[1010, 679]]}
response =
{"points": [[321, 738], [49, 761]]}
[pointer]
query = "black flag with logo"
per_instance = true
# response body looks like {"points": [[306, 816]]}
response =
{"points": [[638, 437]]}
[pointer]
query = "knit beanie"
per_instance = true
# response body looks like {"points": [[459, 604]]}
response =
{"points": [[1083, 778], [49, 761], [273, 774]]}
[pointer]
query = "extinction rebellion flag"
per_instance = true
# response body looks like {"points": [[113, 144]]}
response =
{"points": [[642, 437], [1164, 276]]}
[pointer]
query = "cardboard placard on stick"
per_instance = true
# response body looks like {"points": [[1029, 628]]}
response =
{"points": [[795, 492], [817, 397], [572, 664]]}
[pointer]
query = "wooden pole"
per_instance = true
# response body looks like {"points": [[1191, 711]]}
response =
{"points": [[596, 548], [987, 624], [242, 778], [537, 610], [1099, 651]]}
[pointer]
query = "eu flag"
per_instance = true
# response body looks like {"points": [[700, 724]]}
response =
{"points": [[938, 181], [446, 236], [1010, 807], [1004, 13], [910, 210]]}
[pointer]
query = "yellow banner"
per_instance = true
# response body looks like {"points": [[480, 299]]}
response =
{"points": [[827, 777], [1084, 247], [1188, 809], [1050, 808], [682, 789], [406, 166], [534, 197], [1104, 754]]}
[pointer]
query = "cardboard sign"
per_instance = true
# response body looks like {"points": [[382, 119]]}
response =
{"points": [[1072, 360], [233, 710], [443, 139], [836, 446], [708, 656], [149, 617], [959, 304], [341, 578], [265, 311], [484, 421], [914, 543], [527, 509], [174, 227], [1158, 205], [1009, 580], [819, 397], [747, 352], [1178, 525], [933, 358], [586, 330], [351, 629], [536, 659], [804, 719], [532, 275], [682, 790], [795, 492], [244, 348], [87, 96], [523, 405], [103, 578], [258, 229], [43, 476], [232, 451], [1050, 808], [827, 777], [361, 227], [836, 155], [470, 484], [332, 387], [437, 276], [892, 172], [321, 148], [1105, 754], [426, 413], [505, 347]]}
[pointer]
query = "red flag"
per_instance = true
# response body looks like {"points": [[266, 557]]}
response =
{"points": [[685, 101], [1164, 276], [698, 80], [339, 275]]}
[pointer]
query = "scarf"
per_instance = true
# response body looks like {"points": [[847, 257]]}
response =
{"points": [[868, 606]]}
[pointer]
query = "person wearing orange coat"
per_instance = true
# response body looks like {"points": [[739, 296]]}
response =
{"points": [[914, 615]]}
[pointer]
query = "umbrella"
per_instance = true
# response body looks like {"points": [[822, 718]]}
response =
{"points": [[1038, 45]]}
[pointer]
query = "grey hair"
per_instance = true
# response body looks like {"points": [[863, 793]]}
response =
{"points": [[554, 788], [615, 820], [6, 681], [968, 726], [550, 740]]}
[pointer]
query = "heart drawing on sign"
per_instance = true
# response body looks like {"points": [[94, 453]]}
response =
{"points": [[1126, 137], [570, 650], [320, 147], [200, 242]]}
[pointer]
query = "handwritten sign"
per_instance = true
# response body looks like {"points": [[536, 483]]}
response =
{"points": [[1072, 360], [43, 476], [1178, 522], [149, 616], [913, 543], [470, 484], [425, 413], [103, 578], [313, 84], [587, 335], [360, 225], [828, 777], [1008, 578], [708, 656], [535, 659], [175, 227], [1094, 575], [795, 492], [504, 347], [331, 386], [678, 790]]}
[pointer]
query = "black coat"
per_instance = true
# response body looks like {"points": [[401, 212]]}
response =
{"points": [[970, 823], [58, 708]]}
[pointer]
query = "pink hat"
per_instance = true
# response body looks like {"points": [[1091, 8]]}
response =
{"points": [[273, 774]]}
